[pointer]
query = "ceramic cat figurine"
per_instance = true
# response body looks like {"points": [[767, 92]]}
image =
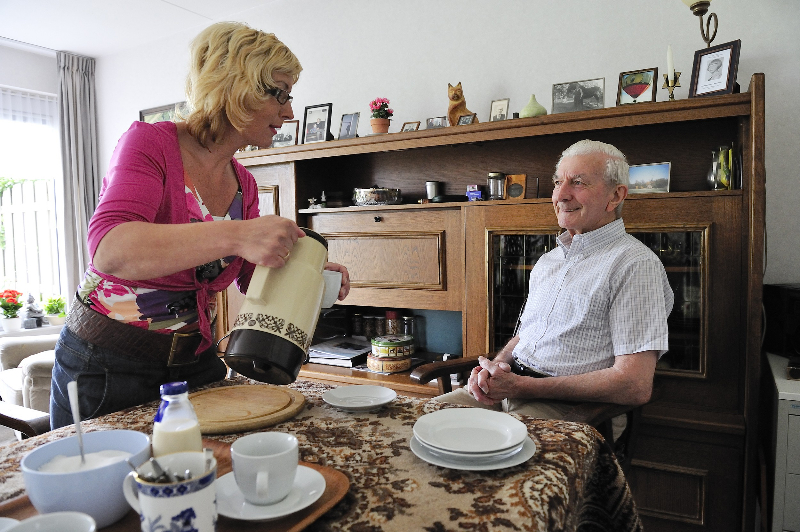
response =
{"points": [[458, 105]]}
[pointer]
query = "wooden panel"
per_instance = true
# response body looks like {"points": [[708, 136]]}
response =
{"points": [[687, 489], [407, 260]]}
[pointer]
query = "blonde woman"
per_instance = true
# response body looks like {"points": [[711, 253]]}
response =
{"points": [[178, 222]]}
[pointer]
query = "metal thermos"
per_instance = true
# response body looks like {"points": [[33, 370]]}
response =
{"points": [[497, 185], [432, 189]]}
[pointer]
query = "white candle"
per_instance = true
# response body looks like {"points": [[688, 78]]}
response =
{"points": [[670, 64]]}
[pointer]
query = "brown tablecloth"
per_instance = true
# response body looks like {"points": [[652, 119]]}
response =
{"points": [[572, 483]]}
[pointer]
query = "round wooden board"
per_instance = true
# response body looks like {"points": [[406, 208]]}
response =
{"points": [[231, 409]]}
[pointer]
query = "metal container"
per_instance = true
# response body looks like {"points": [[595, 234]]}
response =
{"points": [[497, 185], [432, 189], [391, 353], [377, 196]]}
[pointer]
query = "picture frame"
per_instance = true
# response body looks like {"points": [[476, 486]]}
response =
{"points": [[581, 95], [714, 70], [465, 120], [268, 200], [637, 86], [348, 129], [410, 126], [286, 135], [162, 113], [436, 122], [317, 123], [499, 110], [516, 186], [649, 178]]}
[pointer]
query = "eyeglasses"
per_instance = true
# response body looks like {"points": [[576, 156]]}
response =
{"points": [[281, 95]]}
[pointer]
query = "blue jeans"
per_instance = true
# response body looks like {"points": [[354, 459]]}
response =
{"points": [[109, 380]]}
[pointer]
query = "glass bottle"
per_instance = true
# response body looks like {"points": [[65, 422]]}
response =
{"points": [[176, 428]]}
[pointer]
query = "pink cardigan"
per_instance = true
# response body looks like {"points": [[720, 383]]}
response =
{"points": [[145, 183]]}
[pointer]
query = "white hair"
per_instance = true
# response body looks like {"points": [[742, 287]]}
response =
{"points": [[616, 171]]}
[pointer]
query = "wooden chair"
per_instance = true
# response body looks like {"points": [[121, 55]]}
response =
{"points": [[28, 421], [598, 415]]}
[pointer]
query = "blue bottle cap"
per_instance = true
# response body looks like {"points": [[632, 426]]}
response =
{"points": [[174, 388]]}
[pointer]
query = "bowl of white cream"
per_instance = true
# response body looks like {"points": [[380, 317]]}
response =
{"points": [[57, 481]]}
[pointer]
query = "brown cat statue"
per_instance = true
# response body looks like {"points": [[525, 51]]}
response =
{"points": [[458, 105]]}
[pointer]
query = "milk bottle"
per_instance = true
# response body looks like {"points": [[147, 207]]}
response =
{"points": [[176, 428]]}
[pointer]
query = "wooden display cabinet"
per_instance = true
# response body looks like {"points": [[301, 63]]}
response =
{"points": [[694, 467]]}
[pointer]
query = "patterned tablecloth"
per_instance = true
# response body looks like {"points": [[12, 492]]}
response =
{"points": [[572, 483]]}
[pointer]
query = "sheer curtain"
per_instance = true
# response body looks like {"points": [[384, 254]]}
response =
{"points": [[27, 106], [77, 99]]}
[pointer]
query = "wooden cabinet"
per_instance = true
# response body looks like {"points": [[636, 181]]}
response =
{"points": [[694, 467]]}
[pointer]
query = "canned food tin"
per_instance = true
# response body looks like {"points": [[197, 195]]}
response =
{"points": [[393, 346], [388, 365]]}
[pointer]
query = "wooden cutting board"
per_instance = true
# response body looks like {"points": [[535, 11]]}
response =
{"points": [[230, 409]]}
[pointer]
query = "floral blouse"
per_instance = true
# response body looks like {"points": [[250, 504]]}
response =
{"points": [[158, 310]]}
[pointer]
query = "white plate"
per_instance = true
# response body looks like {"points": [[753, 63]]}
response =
{"points": [[359, 398], [494, 455], [527, 452], [7, 522], [470, 430], [309, 485]]}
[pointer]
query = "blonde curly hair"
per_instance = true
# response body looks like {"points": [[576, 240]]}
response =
{"points": [[231, 66]]}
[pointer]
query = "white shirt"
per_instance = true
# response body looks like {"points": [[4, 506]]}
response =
{"points": [[598, 295]]}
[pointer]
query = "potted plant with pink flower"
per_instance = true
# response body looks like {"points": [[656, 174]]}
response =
{"points": [[380, 115]]}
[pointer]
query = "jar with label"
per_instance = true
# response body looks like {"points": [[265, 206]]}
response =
{"points": [[369, 327], [175, 427], [393, 324], [380, 325], [357, 324]]}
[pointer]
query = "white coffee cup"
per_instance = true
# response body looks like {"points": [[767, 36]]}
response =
{"points": [[333, 282], [175, 503], [56, 522], [264, 466]]}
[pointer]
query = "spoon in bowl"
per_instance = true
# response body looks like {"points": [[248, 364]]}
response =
{"points": [[72, 390]]}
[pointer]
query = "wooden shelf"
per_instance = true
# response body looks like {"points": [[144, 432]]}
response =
{"points": [[400, 382]]}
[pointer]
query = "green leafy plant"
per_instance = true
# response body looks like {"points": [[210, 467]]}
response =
{"points": [[9, 302], [55, 306]]}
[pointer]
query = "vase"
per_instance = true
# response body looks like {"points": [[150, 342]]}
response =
{"points": [[532, 108], [11, 324], [379, 125]]}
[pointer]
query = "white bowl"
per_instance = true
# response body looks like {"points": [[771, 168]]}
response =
{"points": [[56, 522], [97, 492]]}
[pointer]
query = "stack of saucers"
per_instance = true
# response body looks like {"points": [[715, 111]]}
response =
{"points": [[472, 439]]}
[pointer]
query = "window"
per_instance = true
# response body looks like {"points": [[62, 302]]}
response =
{"points": [[30, 175]]}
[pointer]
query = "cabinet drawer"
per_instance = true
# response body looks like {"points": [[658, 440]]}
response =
{"points": [[416, 255], [791, 506], [793, 446]]}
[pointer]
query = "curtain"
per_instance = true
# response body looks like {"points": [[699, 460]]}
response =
{"points": [[77, 99], [28, 106]]}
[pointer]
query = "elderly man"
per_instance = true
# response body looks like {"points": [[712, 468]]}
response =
{"points": [[595, 322]]}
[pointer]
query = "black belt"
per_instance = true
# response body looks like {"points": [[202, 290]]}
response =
{"points": [[174, 349], [525, 371]]}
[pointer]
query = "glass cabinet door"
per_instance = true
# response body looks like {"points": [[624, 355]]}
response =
{"points": [[683, 254]]}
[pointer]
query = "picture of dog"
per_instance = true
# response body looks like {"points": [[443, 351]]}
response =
{"points": [[578, 95]]}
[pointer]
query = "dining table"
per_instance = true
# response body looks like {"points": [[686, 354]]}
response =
{"points": [[572, 482]]}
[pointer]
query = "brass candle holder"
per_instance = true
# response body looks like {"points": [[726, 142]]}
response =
{"points": [[671, 84]]}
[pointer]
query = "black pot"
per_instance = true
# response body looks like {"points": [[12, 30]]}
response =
{"points": [[263, 356]]}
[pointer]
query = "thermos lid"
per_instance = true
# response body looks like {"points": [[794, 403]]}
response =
{"points": [[496, 175], [174, 388]]}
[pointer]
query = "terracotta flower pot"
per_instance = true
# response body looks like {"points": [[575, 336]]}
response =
{"points": [[380, 125]]}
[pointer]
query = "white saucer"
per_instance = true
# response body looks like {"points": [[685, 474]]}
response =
{"points": [[359, 398], [527, 452], [309, 485], [7, 522]]}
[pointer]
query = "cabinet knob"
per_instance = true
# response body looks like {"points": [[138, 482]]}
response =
{"points": [[378, 218]]}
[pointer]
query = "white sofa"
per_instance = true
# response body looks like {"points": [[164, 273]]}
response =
{"points": [[26, 365]]}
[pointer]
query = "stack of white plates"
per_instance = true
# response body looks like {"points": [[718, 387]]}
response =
{"points": [[359, 398], [472, 439]]}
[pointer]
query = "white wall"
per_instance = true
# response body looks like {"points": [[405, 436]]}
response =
{"points": [[28, 70], [409, 50]]}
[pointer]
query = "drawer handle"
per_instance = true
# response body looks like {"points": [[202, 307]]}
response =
{"points": [[378, 218]]}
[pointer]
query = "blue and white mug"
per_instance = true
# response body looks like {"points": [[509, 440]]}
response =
{"points": [[182, 505]]}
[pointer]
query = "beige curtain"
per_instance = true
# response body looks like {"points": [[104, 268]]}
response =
{"points": [[77, 99]]}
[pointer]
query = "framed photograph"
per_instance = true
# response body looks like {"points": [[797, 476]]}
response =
{"points": [[349, 127], [649, 178], [637, 86], [433, 123], [579, 95], [516, 185], [410, 126], [317, 123], [286, 135], [465, 120], [268, 200], [499, 110], [714, 70], [164, 113]]}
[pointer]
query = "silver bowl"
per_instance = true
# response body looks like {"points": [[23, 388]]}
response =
{"points": [[377, 196]]}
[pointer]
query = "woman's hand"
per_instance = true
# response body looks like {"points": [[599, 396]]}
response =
{"points": [[345, 289], [268, 240]]}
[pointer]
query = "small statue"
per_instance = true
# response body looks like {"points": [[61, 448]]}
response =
{"points": [[31, 311], [312, 203], [458, 105]]}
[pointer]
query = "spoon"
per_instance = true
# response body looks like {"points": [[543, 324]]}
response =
{"points": [[72, 390]]}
